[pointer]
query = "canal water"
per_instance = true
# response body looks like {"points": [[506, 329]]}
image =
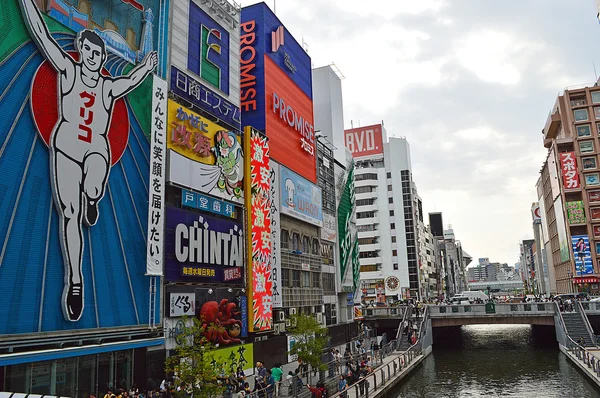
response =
{"points": [[496, 361]]}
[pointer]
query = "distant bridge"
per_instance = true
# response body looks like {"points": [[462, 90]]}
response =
{"points": [[478, 314]]}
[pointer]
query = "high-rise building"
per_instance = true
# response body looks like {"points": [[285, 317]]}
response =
{"points": [[569, 190], [386, 213]]}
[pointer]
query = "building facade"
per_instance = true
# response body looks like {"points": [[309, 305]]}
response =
{"points": [[570, 187]]}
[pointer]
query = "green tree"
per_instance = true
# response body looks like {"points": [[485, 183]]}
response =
{"points": [[311, 338], [194, 365]]}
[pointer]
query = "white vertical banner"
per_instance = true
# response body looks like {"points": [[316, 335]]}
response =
{"points": [[276, 236], [156, 185]]}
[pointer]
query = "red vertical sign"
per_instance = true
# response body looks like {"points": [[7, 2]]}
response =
{"points": [[259, 221], [568, 166]]}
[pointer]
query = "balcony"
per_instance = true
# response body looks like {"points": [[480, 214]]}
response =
{"points": [[369, 261], [369, 234], [366, 195], [366, 183], [367, 221], [371, 247], [552, 126]]}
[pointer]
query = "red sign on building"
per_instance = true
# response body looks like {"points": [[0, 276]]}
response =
{"points": [[568, 165], [364, 141]]}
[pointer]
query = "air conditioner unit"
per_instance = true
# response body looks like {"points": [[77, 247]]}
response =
{"points": [[293, 311], [280, 316], [319, 317], [288, 323], [277, 328], [282, 326]]}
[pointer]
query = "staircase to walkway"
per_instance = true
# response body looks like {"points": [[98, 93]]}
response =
{"points": [[577, 328]]}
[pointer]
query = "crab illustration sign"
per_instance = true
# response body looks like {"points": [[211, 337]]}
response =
{"points": [[203, 155]]}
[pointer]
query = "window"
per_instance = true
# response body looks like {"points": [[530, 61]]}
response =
{"points": [[595, 97], [389, 175], [328, 283], [597, 112], [577, 99], [305, 279], [363, 177], [390, 200], [395, 267], [586, 146], [393, 239], [285, 277], [295, 241], [391, 213], [305, 244], [316, 249], [389, 188], [584, 130], [285, 239], [365, 214], [589, 163], [295, 278], [393, 225], [596, 230], [580, 114], [592, 179], [595, 213], [394, 252], [363, 189]]}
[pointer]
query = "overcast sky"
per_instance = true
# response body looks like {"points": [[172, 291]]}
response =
{"points": [[469, 83]]}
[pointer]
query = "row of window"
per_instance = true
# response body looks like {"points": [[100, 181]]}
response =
{"points": [[305, 244], [296, 278]]}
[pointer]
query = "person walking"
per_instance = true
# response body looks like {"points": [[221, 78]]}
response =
{"points": [[342, 387], [277, 373]]}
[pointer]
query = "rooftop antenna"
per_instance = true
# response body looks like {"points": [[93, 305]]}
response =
{"points": [[351, 124], [275, 7], [595, 74]]}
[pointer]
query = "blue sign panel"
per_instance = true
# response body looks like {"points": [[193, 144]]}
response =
{"points": [[300, 198], [207, 203], [208, 49], [582, 255], [202, 248], [204, 98], [262, 33]]}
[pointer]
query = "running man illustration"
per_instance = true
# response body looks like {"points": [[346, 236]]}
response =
{"points": [[80, 157]]}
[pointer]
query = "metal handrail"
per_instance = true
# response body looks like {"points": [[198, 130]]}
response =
{"points": [[399, 332], [586, 321]]}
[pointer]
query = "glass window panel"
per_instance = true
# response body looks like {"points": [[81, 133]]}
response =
{"points": [[584, 130], [580, 114], [589, 163], [586, 146], [597, 112]]}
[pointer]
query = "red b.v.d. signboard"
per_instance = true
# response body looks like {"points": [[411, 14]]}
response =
{"points": [[364, 141]]}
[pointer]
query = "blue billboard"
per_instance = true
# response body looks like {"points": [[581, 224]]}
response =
{"points": [[300, 198], [582, 255], [262, 33], [74, 192]]}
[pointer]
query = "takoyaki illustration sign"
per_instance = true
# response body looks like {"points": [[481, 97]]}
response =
{"points": [[203, 155], [203, 248]]}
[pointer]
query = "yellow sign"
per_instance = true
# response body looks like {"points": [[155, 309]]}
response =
{"points": [[229, 359], [216, 152]]}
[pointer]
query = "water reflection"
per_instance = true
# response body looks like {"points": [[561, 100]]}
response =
{"points": [[496, 361]]}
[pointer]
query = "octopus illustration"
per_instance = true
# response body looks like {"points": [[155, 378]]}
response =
{"points": [[219, 322]]}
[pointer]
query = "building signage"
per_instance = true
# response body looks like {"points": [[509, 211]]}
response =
{"points": [[300, 198], [329, 229], [174, 330], [535, 213], [595, 213], [276, 236], [199, 95], [181, 304], [206, 203], [596, 231], [232, 358], [289, 122], [568, 165], [203, 248], [582, 255], [345, 210], [364, 141], [575, 212], [65, 203], [221, 312], [276, 89], [204, 156], [594, 196], [156, 191], [258, 203]]}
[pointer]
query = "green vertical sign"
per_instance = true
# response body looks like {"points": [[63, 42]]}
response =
{"points": [[345, 209]]}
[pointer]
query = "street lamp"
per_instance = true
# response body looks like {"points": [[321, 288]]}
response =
{"points": [[570, 275]]}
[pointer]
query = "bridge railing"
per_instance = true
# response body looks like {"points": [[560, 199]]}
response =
{"points": [[441, 311], [384, 312]]}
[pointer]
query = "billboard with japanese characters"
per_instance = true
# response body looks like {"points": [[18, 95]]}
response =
{"points": [[202, 248], [258, 203], [276, 89], [205, 62], [568, 166], [76, 162], [575, 212], [300, 198], [275, 199], [204, 155]]}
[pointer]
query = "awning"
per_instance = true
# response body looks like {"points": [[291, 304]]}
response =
{"points": [[59, 353]]}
